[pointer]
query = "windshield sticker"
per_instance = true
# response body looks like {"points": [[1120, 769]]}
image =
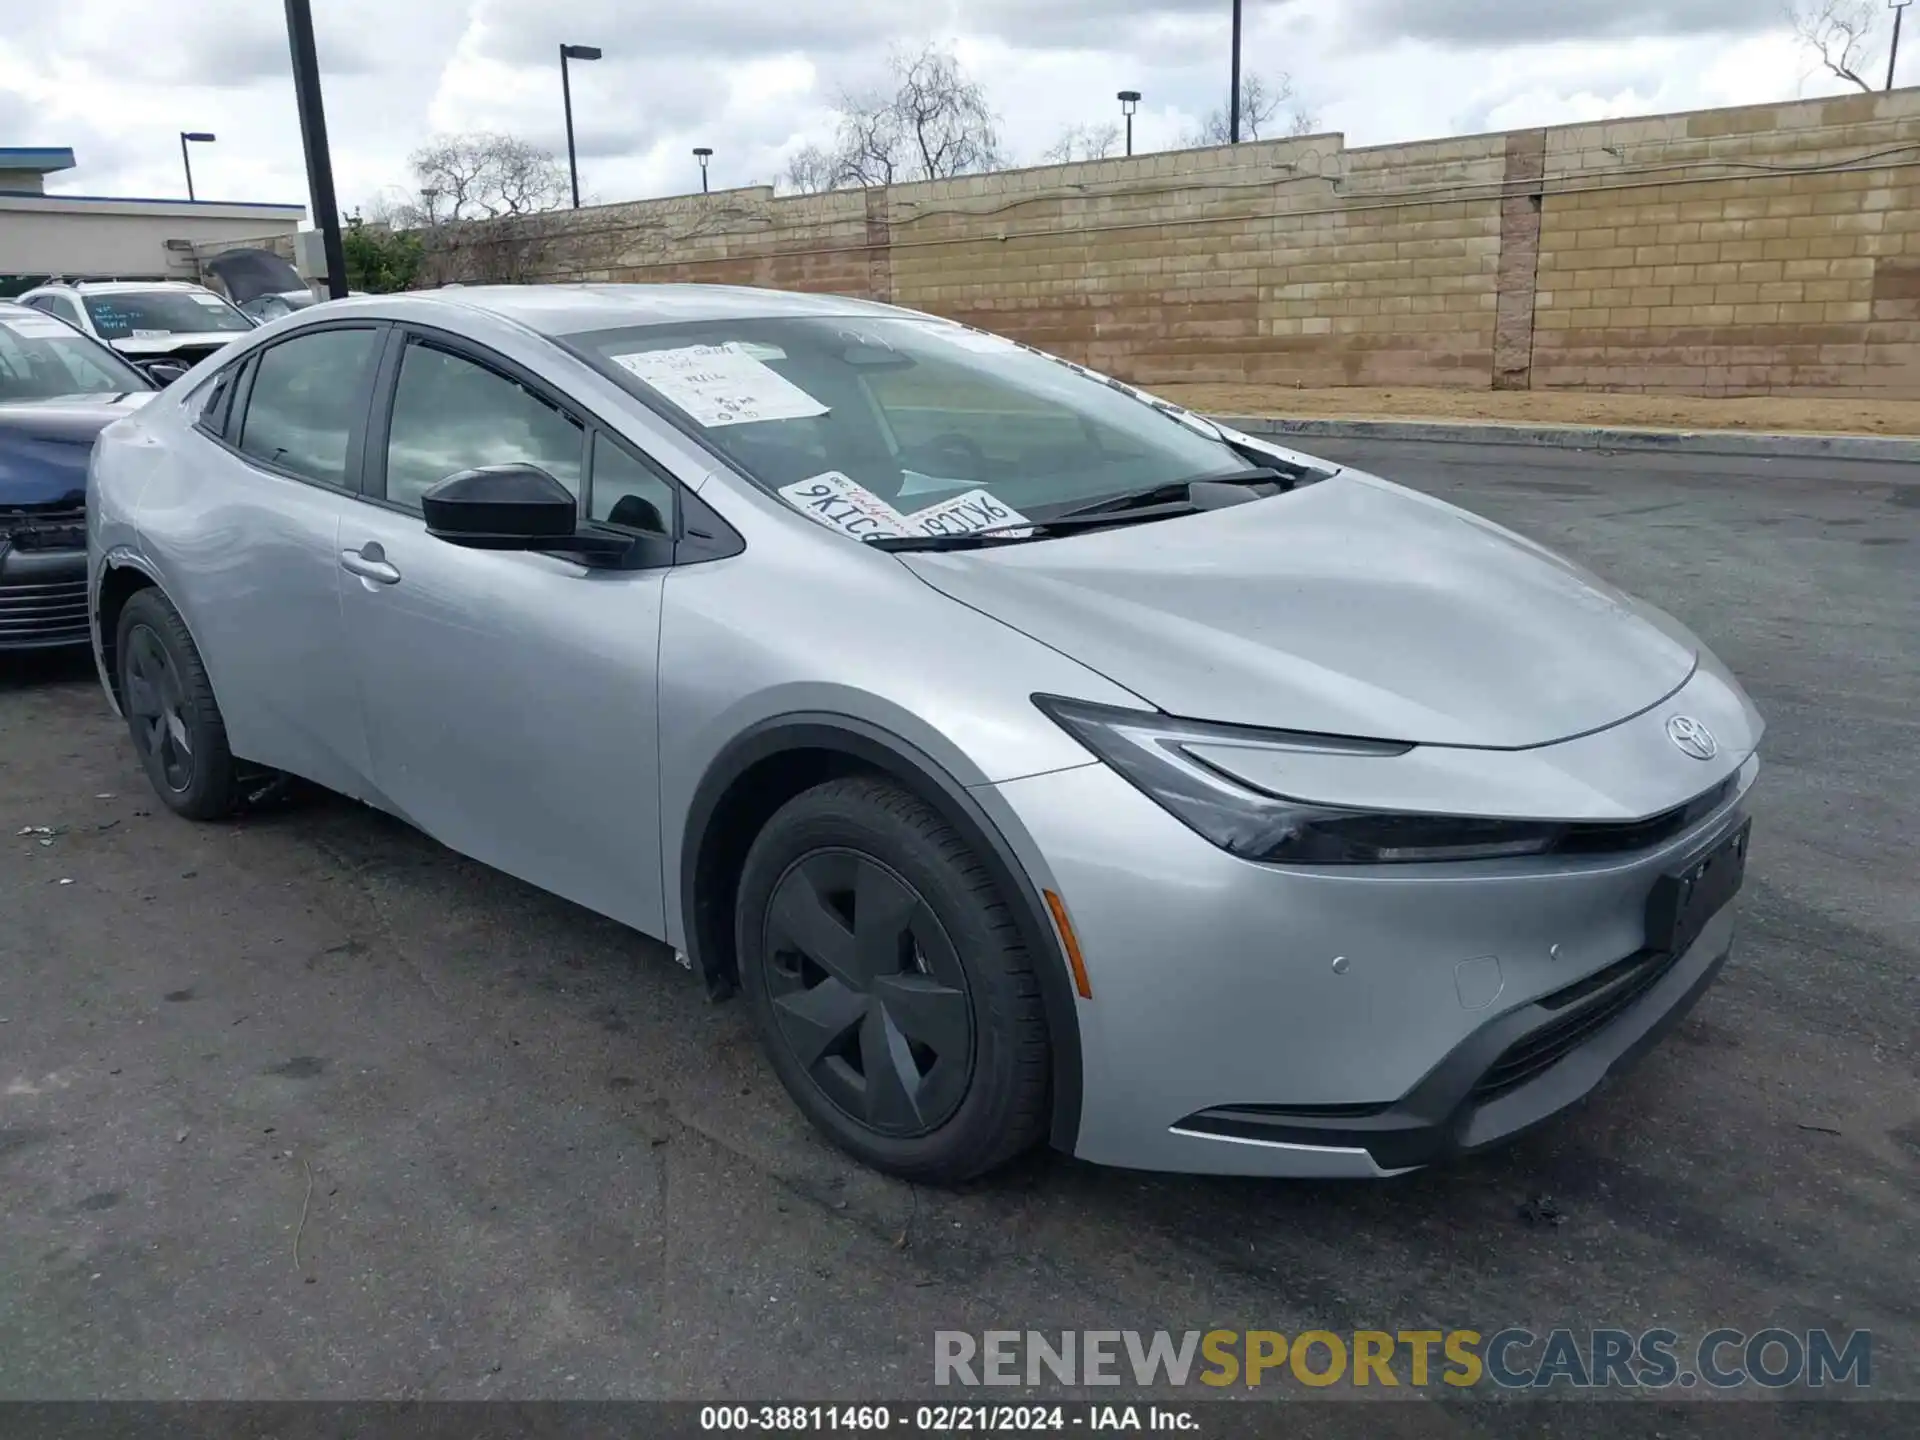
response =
{"points": [[721, 385], [212, 302], [912, 482], [759, 351], [35, 328], [150, 334], [842, 503]]}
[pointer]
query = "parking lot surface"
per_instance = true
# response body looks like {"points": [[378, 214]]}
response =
{"points": [[307, 1106]]}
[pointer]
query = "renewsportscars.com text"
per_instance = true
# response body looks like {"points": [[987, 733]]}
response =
{"points": [[1512, 1359]]}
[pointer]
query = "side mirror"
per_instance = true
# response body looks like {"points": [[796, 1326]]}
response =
{"points": [[164, 372], [500, 507], [511, 507]]}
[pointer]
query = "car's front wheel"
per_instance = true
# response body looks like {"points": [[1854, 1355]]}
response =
{"points": [[170, 709], [890, 985]]}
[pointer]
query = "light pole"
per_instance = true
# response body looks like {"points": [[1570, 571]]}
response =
{"points": [[573, 52], [703, 153], [1233, 105], [202, 137], [313, 138], [1893, 55], [430, 194], [1129, 102]]}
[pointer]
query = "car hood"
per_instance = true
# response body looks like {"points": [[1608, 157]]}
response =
{"points": [[197, 344], [44, 444], [1348, 607], [250, 273]]}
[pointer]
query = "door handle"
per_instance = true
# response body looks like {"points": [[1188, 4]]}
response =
{"points": [[369, 566]]}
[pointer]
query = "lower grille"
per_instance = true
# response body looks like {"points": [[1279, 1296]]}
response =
{"points": [[44, 529], [43, 614], [1590, 1005]]}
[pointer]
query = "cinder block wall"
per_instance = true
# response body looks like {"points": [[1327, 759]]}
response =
{"points": [[1758, 251], [1765, 251]]}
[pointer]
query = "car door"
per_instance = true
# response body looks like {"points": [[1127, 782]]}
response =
{"points": [[243, 519], [510, 698]]}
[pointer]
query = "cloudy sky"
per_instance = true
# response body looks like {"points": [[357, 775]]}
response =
{"points": [[118, 79]]}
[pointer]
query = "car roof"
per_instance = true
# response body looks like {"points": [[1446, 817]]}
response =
{"points": [[113, 287], [571, 309]]}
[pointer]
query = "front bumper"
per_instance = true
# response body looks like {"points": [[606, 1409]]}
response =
{"points": [[1270, 1020], [43, 598], [1504, 1079]]}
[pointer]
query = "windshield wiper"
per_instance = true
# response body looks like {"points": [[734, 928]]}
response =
{"points": [[972, 540], [1023, 530], [1159, 502], [1190, 490]]}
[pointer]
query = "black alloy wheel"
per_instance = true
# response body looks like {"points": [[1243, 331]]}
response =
{"points": [[156, 710], [890, 983], [171, 714], [868, 994]]}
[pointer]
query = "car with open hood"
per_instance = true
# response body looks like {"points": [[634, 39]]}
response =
{"points": [[261, 283], [1040, 760], [58, 390]]}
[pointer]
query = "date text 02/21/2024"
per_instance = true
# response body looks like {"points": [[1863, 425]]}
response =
{"points": [[944, 1419]]}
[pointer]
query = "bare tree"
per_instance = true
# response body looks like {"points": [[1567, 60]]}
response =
{"points": [[1083, 142], [484, 175], [1260, 101], [811, 170], [935, 123], [484, 207], [1842, 35]]}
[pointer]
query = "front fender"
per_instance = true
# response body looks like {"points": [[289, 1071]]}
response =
{"points": [[1017, 869]]}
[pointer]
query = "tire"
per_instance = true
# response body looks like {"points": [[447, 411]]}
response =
{"points": [[171, 713], [916, 1040]]}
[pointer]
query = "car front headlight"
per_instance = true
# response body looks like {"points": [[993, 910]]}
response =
{"points": [[1151, 751]]}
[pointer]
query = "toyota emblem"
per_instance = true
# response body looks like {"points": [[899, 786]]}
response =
{"points": [[1692, 738]]}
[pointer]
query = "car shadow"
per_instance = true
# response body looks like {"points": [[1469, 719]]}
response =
{"points": [[30, 669]]}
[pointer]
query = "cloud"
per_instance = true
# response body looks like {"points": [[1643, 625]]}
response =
{"points": [[518, 33], [1106, 25], [1500, 23], [224, 44]]}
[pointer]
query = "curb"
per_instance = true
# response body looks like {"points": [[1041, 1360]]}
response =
{"points": [[1570, 437]]}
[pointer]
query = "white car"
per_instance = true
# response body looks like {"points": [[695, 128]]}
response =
{"points": [[146, 319]]}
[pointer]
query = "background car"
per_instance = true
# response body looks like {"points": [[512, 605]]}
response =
{"points": [[262, 284], [58, 390], [146, 320], [1040, 760]]}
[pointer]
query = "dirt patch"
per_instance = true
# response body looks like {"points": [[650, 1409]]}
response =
{"points": [[1550, 407]]}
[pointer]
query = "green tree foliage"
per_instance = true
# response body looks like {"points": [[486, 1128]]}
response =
{"points": [[380, 260]]}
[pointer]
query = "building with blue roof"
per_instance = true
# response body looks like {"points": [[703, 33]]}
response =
{"points": [[80, 236]]}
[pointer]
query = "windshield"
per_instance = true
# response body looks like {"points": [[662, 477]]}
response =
{"points": [[41, 358], [864, 423], [154, 314]]}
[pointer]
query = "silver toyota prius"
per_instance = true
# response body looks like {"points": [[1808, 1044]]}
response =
{"points": [[1038, 759]]}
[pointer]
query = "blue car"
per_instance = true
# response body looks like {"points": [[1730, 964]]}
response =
{"points": [[58, 390]]}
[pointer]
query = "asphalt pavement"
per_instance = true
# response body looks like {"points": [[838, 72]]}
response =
{"points": [[307, 1106]]}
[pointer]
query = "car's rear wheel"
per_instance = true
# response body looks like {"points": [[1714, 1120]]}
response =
{"points": [[889, 983], [168, 701]]}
